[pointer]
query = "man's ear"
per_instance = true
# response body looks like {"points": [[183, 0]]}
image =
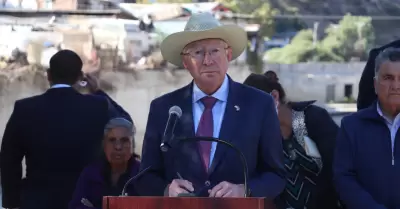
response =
{"points": [[48, 75], [183, 61], [229, 54], [80, 77], [375, 84]]}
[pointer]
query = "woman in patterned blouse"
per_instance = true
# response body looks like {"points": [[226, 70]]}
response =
{"points": [[309, 135]]}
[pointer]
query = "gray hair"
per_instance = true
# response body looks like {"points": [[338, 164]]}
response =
{"points": [[120, 122], [390, 54]]}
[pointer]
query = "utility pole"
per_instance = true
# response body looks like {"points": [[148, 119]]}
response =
{"points": [[315, 33]]}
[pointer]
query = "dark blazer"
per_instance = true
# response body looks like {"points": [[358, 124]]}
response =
{"points": [[58, 133], [94, 183], [366, 90], [114, 108], [254, 129], [364, 174], [323, 130]]}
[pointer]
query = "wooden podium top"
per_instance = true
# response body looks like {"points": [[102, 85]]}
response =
{"points": [[186, 203]]}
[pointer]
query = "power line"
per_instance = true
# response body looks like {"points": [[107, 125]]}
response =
{"points": [[326, 17], [333, 17], [224, 14]]}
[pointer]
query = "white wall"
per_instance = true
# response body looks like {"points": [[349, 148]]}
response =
{"points": [[25, 4]]}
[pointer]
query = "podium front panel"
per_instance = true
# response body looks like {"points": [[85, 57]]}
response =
{"points": [[185, 203]]}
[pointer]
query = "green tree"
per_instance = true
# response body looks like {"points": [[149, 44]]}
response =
{"points": [[164, 1], [262, 14], [301, 49], [261, 11], [352, 37]]}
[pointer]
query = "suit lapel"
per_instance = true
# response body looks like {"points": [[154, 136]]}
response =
{"points": [[186, 120], [229, 123], [189, 150]]}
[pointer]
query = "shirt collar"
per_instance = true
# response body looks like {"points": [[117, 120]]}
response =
{"points": [[380, 112], [221, 94], [56, 86]]}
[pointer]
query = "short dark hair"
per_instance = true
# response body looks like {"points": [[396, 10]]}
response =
{"points": [[390, 54], [265, 84], [65, 67], [272, 75]]}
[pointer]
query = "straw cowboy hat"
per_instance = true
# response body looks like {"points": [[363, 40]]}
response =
{"points": [[203, 26]]}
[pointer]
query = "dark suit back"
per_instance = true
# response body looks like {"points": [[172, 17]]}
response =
{"points": [[59, 133]]}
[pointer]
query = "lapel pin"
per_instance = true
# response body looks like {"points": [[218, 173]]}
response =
{"points": [[237, 108]]}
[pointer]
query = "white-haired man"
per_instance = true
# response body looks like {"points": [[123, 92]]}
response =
{"points": [[213, 105]]}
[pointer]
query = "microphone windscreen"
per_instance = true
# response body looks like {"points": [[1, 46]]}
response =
{"points": [[175, 110]]}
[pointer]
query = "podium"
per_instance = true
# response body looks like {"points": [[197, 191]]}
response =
{"points": [[186, 203]]}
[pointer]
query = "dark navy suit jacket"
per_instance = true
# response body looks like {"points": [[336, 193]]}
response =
{"points": [[115, 110], [254, 129], [58, 133], [364, 175]]}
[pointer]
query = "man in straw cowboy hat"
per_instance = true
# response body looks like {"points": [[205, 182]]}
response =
{"points": [[213, 105]]}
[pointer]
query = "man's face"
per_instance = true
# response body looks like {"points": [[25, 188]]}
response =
{"points": [[207, 61], [387, 84]]}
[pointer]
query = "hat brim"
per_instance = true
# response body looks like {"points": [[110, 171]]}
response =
{"points": [[172, 45]]}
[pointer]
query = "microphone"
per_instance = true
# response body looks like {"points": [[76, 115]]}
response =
{"points": [[123, 194], [175, 113], [240, 153]]}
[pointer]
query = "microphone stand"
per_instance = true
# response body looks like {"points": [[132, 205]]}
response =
{"points": [[123, 193], [242, 157]]}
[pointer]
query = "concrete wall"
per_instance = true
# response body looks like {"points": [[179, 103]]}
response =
{"points": [[310, 80], [134, 91]]}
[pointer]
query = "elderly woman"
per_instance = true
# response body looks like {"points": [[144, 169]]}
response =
{"points": [[108, 176], [309, 135]]}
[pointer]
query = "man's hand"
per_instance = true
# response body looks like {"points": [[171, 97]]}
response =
{"points": [[179, 186], [87, 203], [92, 83], [226, 189]]}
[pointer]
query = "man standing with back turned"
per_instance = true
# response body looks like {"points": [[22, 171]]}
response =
{"points": [[58, 132], [213, 105]]}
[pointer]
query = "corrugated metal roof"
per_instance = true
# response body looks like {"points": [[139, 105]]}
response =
{"points": [[170, 26], [158, 11], [176, 25], [200, 7], [163, 11]]}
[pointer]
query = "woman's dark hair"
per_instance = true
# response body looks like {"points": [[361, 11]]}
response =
{"points": [[272, 76], [265, 84]]}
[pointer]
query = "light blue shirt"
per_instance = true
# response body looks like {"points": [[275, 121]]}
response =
{"points": [[218, 110], [393, 126], [57, 86]]}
